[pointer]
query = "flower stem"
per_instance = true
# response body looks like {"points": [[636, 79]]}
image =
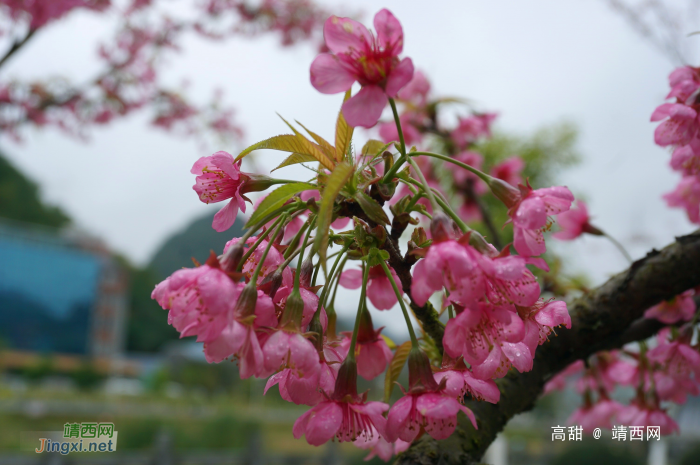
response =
{"points": [[297, 275], [360, 309], [424, 184], [254, 278], [485, 177], [619, 246], [451, 213], [414, 341], [258, 241], [392, 172]]}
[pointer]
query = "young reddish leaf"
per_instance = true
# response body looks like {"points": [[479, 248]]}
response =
{"points": [[395, 367], [343, 133], [335, 182], [327, 148]]}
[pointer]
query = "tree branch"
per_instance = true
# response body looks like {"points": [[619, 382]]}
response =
{"points": [[602, 319]]}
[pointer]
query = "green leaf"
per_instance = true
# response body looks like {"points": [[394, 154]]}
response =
{"points": [[395, 367], [327, 148], [277, 198], [335, 182], [343, 133], [370, 206], [290, 143], [373, 147], [294, 159]]}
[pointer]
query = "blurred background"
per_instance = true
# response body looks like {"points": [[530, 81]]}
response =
{"points": [[93, 216]]}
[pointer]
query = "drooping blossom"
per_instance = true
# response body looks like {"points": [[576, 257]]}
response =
{"points": [[379, 447], [687, 196], [344, 415], [639, 414], [358, 55], [680, 124], [272, 261], [372, 352], [574, 223], [425, 407], [490, 340], [473, 128], [684, 81], [558, 381], [540, 320], [288, 348], [220, 178], [686, 158], [459, 382], [509, 170], [379, 289], [678, 358], [680, 308], [529, 210], [600, 414]]}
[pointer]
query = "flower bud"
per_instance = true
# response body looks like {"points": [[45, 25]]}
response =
{"points": [[256, 183], [316, 327], [232, 257], [504, 192], [245, 305], [307, 269], [346, 382], [293, 309], [272, 282], [420, 375], [441, 227]]}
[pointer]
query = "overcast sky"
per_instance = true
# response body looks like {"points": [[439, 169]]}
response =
{"points": [[535, 62]]}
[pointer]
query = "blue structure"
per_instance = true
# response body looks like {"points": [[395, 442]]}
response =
{"points": [[57, 294]]}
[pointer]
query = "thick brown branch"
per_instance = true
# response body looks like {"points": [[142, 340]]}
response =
{"points": [[602, 319]]}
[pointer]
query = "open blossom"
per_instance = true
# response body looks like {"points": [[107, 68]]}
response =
{"points": [[379, 289], [638, 414], [490, 340], [680, 124], [219, 179], [473, 128], [574, 223], [558, 381], [529, 210], [461, 382], [272, 261], [509, 170], [358, 55], [601, 414], [686, 158], [684, 81], [687, 196], [680, 308], [540, 321], [372, 353]]}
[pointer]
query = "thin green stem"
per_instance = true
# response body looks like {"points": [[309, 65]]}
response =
{"points": [[619, 246], [297, 275], [337, 283], [360, 309], [485, 177], [295, 240], [399, 296], [258, 241], [331, 276], [256, 273], [425, 186], [450, 212], [397, 120]]}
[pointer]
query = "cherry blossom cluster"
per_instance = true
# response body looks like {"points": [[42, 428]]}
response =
{"points": [[129, 78], [680, 130], [268, 300]]}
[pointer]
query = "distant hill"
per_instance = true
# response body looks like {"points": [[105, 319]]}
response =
{"points": [[196, 240]]}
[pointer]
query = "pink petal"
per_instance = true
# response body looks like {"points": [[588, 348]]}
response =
{"points": [[351, 279], [398, 419], [519, 355], [531, 214], [365, 108], [381, 293], [399, 77], [319, 424], [389, 31], [224, 161], [342, 35], [329, 76], [225, 217], [528, 242]]}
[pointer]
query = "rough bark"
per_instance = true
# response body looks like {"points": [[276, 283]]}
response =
{"points": [[605, 318]]}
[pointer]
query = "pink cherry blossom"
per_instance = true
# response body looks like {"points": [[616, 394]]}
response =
{"points": [[272, 261], [679, 359], [642, 415], [489, 339], [417, 90], [434, 412], [290, 349], [598, 415], [346, 421], [530, 214], [472, 128], [687, 196], [558, 381], [574, 223], [372, 354], [459, 383], [686, 158], [379, 447], [358, 55], [411, 135], [379, 289], [509, 170], [445, 265], [218, 179], [679, 127], [680, 308], [683, 82], [540, 321]]}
